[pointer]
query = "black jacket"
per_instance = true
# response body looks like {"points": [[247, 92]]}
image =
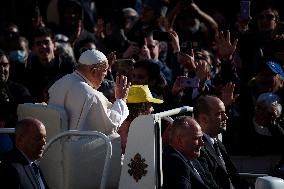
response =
{"points": [[16, 172], [212, 163], [178, 174]]}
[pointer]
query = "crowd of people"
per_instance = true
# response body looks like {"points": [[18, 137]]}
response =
{"points": [[92, 61]]}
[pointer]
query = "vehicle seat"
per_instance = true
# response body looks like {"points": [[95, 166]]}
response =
{"points": [[269, 182], [73, 162]]}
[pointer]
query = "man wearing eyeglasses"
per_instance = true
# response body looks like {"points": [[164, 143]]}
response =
{"points": [[87, 108]]}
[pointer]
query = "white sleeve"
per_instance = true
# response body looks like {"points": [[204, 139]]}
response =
{"points": [[119, 107]]}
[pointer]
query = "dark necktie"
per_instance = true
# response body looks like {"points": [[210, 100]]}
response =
{"points": [[218, 152], [38, 177], [191, 164]]}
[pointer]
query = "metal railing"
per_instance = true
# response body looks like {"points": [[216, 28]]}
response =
{"points": [[175, 111], [88, 133], [164, 115], [7, 130]]}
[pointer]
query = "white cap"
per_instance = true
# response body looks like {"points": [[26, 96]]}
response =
{"points": [[90, 57]]}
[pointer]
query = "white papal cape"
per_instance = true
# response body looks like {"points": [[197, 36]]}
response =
{"points": [[87, 108]]}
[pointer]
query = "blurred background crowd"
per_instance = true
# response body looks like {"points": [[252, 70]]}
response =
{"points": [[179, 48]]}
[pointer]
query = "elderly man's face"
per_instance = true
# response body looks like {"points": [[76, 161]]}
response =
{"points": [[265, 115], [192, 141], [34, 141], [267, 81], [98, 73], [4, 69]]}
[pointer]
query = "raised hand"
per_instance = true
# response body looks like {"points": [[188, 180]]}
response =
{"points": [[131, 50], [76, 33], [144, 52], [227, 94], [175, 41], [177, 87], [187, 60], [111, 57], [121, 87], [100, 29], [202, 70], [223, 46]]}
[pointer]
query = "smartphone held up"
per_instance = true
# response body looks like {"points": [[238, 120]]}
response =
{"points": [[187, 82], [162, 36], [244, 10]]}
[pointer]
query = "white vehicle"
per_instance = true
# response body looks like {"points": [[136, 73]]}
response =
{"points": [[90, 160]]}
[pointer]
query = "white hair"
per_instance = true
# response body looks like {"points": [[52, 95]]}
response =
{"points": [[270, 99]]}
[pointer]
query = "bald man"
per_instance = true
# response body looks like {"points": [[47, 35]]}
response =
{"points": [[209, 112], [181, 170], [19, 169]]}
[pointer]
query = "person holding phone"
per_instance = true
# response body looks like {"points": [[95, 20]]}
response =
{"points": [[192, 24], [198, 81], [262, 29], [152, 12]]}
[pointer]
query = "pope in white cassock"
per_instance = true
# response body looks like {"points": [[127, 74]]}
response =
{"points": [[87, 108]]}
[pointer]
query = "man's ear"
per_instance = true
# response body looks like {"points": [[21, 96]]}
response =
{"points": [[93, 68], [179, 141], [160, 46], [281, 82], [54, 45], [203, 119]]}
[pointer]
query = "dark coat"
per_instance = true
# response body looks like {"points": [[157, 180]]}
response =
{"points": [[16, 172], [178, 174], [212, 163]]}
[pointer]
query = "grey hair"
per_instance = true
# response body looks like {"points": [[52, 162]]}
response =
{"points": [[270, 99], [178, 126]]}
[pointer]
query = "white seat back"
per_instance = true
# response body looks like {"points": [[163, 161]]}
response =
{"points": [[55, 120], [269, 182], [84, 162], [53, 117], [73, 162]]}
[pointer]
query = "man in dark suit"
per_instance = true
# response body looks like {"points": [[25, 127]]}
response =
{"points": [[18, 170], [181, 170], [209, 112]]}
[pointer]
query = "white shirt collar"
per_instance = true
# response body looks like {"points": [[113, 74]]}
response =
{"points": [[84, 78], [210, 139]]}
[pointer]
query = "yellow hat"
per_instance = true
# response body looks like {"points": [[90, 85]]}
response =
{"points": [[141, 93]]}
